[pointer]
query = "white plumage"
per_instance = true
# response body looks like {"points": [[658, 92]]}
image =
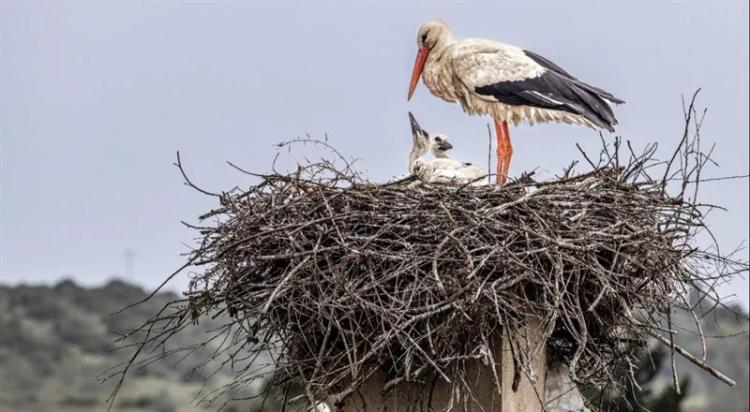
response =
{"points": [[442, 169], [506, 82], [454, 70], [470, 64]]}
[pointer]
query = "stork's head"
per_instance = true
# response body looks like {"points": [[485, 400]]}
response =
{"points": [[439, 144], [434, 33]]}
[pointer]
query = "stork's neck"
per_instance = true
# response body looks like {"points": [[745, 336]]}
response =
{"points": [[440, 154], [416, 153], [438, 71]]}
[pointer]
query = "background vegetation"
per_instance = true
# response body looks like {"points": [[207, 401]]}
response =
{"points": [[54, 347]]}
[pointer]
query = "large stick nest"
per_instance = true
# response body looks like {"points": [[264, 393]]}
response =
{"points": [[334, 277]]}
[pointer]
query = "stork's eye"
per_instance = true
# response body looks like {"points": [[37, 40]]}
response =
{"points": [[424, 38]]}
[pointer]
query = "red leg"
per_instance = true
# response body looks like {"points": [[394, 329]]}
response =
{"points": [[508, 149], [500, 177]]}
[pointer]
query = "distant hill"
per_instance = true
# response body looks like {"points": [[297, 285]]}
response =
{"points": [[53, 346]]}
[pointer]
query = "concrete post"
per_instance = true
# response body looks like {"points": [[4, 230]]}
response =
{"points": [[436, 395]]}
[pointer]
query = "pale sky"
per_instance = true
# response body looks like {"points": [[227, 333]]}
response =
{"points": [[95, 98]]}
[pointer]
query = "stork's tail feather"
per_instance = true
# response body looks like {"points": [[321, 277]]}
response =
{"points": [[597, 109], [602, 93]]}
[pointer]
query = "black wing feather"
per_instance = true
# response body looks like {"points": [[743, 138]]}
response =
{"points": [[549, 65], [559, 90]]}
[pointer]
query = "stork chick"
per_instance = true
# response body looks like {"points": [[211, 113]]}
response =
{"points": [[423, 142], [442, 169]]}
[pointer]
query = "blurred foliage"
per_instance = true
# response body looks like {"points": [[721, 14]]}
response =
{"points": [[727, 344], [653, 395], [54, 347]]}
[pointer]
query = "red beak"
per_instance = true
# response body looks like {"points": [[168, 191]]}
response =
{"points": [[418, 65]]}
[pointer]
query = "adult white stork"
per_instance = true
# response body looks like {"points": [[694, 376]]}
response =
{"points": [[506, 82]]}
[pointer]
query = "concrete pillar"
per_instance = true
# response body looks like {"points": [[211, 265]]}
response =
{"points": [[435, 395]]}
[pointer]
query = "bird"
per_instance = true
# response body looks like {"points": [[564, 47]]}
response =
{"points": [[508, 83], [423, 142], [442, 169]]}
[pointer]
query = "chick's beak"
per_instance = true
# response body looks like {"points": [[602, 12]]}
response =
{"points": [[416, 130], [444, 146]]}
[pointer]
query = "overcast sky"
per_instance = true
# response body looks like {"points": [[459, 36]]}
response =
{"points": [[96, 98]]}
